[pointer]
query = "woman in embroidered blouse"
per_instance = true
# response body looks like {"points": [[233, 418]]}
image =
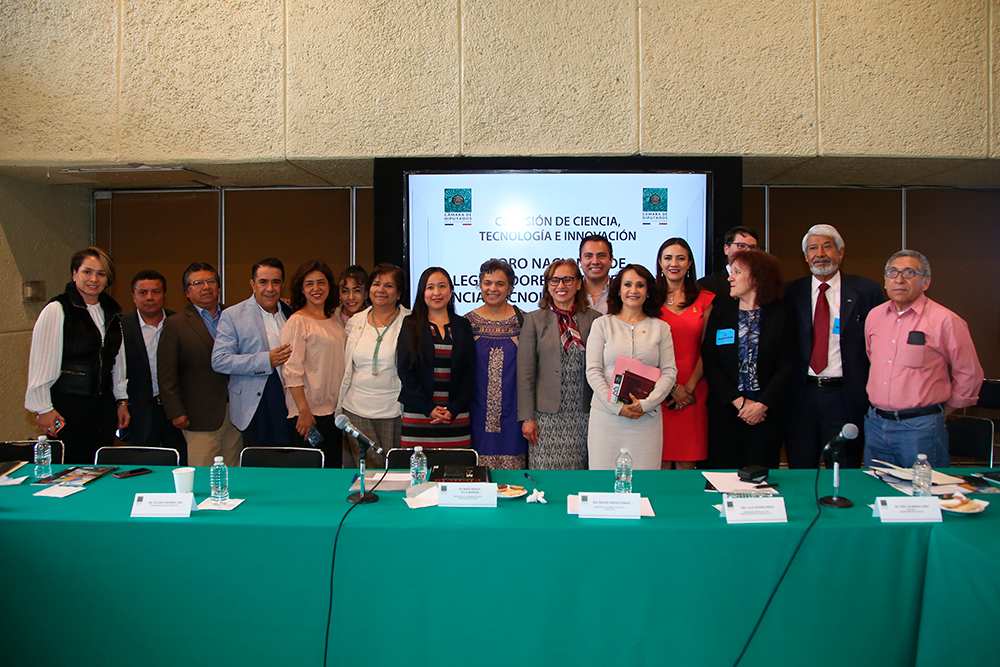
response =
{"points": [[353, 282], [496, 325], [313, 372], [747, 358], [369, 393], [553, 397]]}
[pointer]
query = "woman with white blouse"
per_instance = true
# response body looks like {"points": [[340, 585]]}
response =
{"points": [[370, 390], [632, 328], [313, 373]]}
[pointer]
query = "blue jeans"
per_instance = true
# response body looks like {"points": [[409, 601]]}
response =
{"points": [[899, 442]]}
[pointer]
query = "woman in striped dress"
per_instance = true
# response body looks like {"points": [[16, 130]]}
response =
{"points": [[436, 361]]}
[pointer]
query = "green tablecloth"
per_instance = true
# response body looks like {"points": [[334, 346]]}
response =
{"points": [[521, 584]]}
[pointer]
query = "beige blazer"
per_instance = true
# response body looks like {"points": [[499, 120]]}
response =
{"points": [[539, 362]]}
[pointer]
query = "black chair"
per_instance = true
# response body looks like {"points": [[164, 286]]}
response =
{"points": [[971, 437], [24, 450], [398, 458], [127, 455], [282, 457], [989, 395]]}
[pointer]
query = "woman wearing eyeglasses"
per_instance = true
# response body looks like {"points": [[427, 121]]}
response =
{"points": [[553, 396]]}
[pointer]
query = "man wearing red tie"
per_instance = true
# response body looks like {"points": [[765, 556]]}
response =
{"points": [[829, 309]]}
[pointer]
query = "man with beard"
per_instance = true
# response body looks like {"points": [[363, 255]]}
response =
{"points": [[829, 310]]}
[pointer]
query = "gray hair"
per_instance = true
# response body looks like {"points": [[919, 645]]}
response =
{"points": [[823, 230], [925, 266]]}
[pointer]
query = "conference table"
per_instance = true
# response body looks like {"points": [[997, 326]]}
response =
{"points": [[519, 584]]}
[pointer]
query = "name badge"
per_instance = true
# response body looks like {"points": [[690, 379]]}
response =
{"points": [[905, 509], [610, 505], [753, 509], [467, 494], [163, 504], [836, 326], [725, 336]]}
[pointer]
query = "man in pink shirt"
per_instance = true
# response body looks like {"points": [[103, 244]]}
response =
{"points": [[912, 343]]}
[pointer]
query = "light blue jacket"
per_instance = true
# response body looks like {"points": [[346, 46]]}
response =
{"points": [[242, 352]]}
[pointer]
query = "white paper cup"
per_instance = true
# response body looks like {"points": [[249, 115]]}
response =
{"points": [[184, 480]]}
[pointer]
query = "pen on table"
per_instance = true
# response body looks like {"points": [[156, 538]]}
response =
{"points": [[355, 478], [766, 486], [531, 478]]}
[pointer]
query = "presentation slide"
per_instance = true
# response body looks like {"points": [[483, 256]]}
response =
{"points": [[460, 220]]}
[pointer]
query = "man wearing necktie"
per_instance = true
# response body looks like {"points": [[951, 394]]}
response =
{"points": [[829, 309]]}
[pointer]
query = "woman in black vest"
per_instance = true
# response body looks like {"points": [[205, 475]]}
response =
{"points": [[76, 371]]}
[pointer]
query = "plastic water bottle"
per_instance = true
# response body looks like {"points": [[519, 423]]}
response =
{"points": [[418, 466], [219, 475], [921, 476], [43, 457], [623, 472], [314, 437]]}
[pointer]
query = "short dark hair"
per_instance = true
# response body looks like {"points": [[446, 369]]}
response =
{"points": [[491, 265], [765, 274], [272, 262], [108, 264], [581, 302], [195, 267], [354, 272], [596, 238], [150, 274], [654, 300], [740, 229], [299, 297], [395, 273]]}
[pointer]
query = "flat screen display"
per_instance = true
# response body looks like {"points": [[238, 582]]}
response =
{"points": [[529, 218]]}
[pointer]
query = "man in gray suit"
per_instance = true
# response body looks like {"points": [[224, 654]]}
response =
{"points": [[195, 396], [247, 348]]}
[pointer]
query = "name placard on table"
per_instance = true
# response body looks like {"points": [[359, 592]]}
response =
{"points": [[467, 494], [163, 504], [609, 505], [753, 509], [906, 509]]}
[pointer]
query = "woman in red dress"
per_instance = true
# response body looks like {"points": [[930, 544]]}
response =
{"points": [[685, 416]]}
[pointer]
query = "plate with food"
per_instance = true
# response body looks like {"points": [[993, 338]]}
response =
{"points": [[956, 503], [511, 491]]}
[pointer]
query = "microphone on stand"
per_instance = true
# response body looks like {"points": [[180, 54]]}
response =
{"points": [[364, 444], [848, 432]]}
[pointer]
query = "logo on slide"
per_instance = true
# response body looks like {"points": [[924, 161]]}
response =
{"points": [[458, 200], [654, 199]]}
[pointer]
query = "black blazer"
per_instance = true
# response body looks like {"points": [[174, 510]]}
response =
{"points": [[857, 297], [717, 283], [418, 382], [140, 380], [775, 355]]}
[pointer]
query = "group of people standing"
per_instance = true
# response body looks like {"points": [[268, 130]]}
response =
{"points": [[525, 389]]}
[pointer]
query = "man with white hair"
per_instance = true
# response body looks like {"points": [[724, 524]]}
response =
{"points": [[923, 366], [829, 309]]}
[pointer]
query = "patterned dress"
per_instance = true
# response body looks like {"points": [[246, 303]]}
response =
{"points": [[562, 437], [417, 427], [496, 433]]}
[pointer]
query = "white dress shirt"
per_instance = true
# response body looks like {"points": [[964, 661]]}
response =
{"points": [[45, 360], [834, 364], [151, 337]]}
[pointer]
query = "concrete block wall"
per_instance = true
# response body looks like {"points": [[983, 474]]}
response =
{"points": [[239, 81]]}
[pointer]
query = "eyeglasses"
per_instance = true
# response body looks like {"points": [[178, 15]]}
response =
{"points": [[744, 246], [199, 283], [565, 280], [907, 273]]}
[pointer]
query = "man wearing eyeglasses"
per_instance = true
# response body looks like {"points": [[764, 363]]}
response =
{"points": [[912, 343], [194, 396], [736, 239]]}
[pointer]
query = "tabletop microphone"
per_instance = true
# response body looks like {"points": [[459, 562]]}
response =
{"points": [[344, 424], [849, 432]]}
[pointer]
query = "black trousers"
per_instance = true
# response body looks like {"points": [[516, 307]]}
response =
{"points": [[161, 433], [91, 422], [733, 444], [824, 413], [332, 445]]}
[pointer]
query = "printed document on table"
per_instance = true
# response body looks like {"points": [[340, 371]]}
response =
{"points": [[730, 482]]}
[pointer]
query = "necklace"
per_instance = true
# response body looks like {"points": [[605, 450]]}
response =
{"points": [[378, 337]]}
